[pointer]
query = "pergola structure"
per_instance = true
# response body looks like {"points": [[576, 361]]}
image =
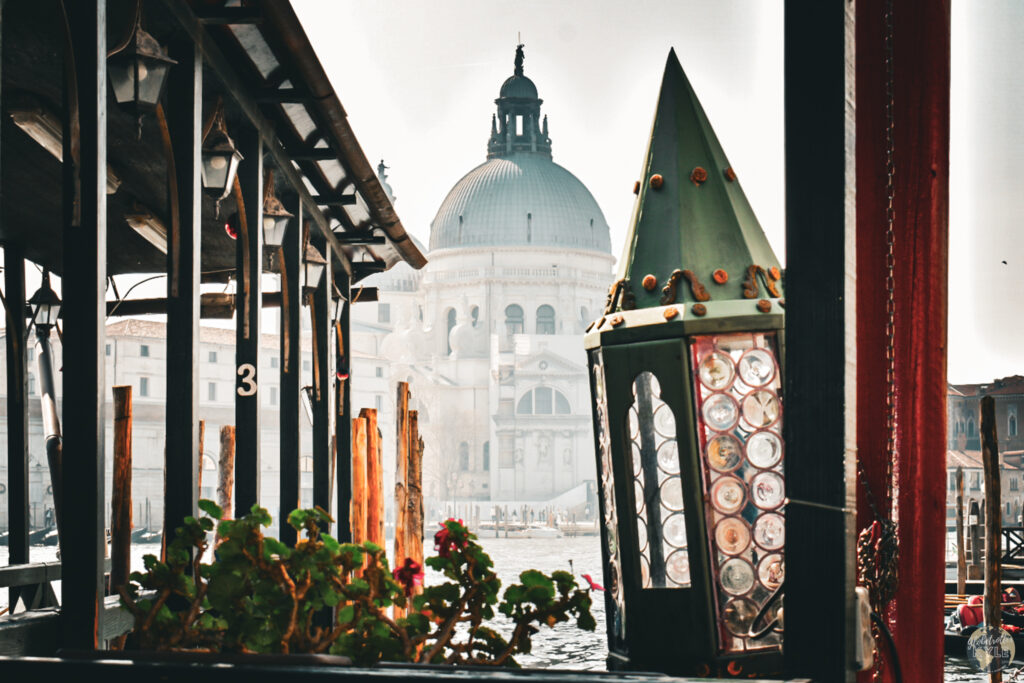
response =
{"points": [[853, 71]]}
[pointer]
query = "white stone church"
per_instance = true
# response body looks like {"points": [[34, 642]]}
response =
{"points": [[489, 334]]}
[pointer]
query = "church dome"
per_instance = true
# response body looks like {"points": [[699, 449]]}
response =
{"points": [[521, 200], [519, 196]]}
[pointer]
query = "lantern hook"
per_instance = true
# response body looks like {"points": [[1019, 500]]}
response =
{"points": [[770, 626]]}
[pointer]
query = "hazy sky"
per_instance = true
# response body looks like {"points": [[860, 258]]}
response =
{"points": [[418, 81]]}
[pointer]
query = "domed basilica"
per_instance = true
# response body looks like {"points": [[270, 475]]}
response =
{"points": [[489, 334]]}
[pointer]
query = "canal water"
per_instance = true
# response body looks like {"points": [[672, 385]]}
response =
{"points": [[565, 646]]}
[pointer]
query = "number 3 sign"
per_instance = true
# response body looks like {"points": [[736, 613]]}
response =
{"points": [[248, 374]]}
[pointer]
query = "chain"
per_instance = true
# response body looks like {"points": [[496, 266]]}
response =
{"points": [[878, 545]]}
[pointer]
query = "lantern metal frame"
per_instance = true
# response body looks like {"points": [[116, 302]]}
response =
{"points": [[218, 145], [142, 52], [642, 622], [313, 266], [45, 299], [275, 216]]}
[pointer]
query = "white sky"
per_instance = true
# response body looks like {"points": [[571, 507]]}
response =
{"points": [[418, 81]]}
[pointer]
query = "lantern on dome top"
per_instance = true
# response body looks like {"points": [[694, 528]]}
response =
{"points": [[686, 380]]}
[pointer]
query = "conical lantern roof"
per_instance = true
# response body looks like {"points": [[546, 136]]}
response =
{"points": [[691, 217]]}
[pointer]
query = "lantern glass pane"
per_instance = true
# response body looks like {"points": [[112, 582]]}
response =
{"points": [[615, 604], [657, 488], [314, 271], [121, 73], [739, 429], [152, 74], [273, 230], [216, 167]]}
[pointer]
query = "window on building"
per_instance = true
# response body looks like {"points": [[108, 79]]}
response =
{"points": [[273, 396], [1011, 420], [519, 124], [107, 349], [211, 391], [514, 319], [144, 350], [306, 365], [143, 386], [273, 361], [975, 481], [452, 319], [463, 456], [487, 456], [474, 315], [383, 313], [378, 371], [543, 401], [1014, 484], [970, 427], [31, 384], [306, 463], [379, 401], [211, 356], [545, 320], [31, 351]]}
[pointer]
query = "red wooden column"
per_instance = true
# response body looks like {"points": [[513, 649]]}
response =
{"points": [[921, 43]]}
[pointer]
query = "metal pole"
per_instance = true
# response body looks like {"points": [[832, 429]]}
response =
{"points": [[291, 373], [17, 412], [343, 421], [320, 310]]}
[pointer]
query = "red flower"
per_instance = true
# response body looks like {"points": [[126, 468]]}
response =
{"points": [[409, 575], [445, 541], [593, 584]]}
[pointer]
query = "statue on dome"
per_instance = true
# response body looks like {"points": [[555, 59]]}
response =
{"points": [[519, 59]]}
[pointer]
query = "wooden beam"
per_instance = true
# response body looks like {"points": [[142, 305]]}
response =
{"points": [[249, 262], [84, 290], [355, 239], [17, 410], [312, 154], [291, 374], [221, 16], [341, 344], [335, 200], [283, 96], [820, 382], [184, 123], [320, 311]]}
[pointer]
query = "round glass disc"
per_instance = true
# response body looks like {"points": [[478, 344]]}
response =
{"points": [[664, 421], [767, 489], [771, 571], [738, 615], [724, 453], [764, 449], [634, 424], [720, 412], [732, 535], [674, 531], [677, 568], [761, 408], [641, 533], [637, 464], [638, 493], [728, 495], [770, 531], [716, 371], [736, 576], [668, 457], [757, 367], [672, 494]]}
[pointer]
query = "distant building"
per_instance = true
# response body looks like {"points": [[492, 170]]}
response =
{"points": [[489, 334]]}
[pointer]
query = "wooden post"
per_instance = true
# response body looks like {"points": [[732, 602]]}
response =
{"points": [[401, 472], [993, 518], [121, 496], [961, 551], [202, 447], [975, 570], [414, 487], [359, 480], [226, 482], [374, 479], [17, 413], [342, 378], [323, 428], [291, 374]]}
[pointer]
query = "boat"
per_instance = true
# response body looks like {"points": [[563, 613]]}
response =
{"points": [[957, 635], [532, 531]]}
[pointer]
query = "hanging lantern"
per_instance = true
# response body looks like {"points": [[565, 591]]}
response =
{"points": [[45, 304], [138, 73], [686, 382], [313, 264], [220, 158], [275, 216]]}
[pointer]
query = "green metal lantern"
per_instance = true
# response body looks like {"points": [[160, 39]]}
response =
{"points": [[686, 378]]}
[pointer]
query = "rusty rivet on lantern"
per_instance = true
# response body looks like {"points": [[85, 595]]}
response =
{"points": [[657, 181], [670, 312], [699, 309], [764, 305], [720, 276], [617, 320], [775, 273], [698, 176], [730, 174], [650, 282], [636, 187], [734, 668]]}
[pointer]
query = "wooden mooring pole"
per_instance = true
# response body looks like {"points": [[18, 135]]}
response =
{"points": [[121, 496], [374, 479], [202, 446], [961, 551], [226, 481], [414, 487], [359, 480], [993, 519], [401, 472]]}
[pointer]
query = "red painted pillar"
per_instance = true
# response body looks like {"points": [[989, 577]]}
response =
{"points": [[921, 42]]}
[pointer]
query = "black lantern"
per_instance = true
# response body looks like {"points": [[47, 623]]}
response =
{"points": [[45, 304], [313, 264], [220, 158], [275, 216], [686, 382], [138, 73]]}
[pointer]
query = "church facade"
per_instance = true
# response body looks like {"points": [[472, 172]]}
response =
{"points": [[489, 334]]}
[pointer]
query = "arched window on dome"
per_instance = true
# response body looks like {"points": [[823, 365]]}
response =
{"points": [[514, 319], [545, 320], [452, 319], [543, 401]]}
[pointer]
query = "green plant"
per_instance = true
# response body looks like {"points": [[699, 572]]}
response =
{"points": [[259, 595]]}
